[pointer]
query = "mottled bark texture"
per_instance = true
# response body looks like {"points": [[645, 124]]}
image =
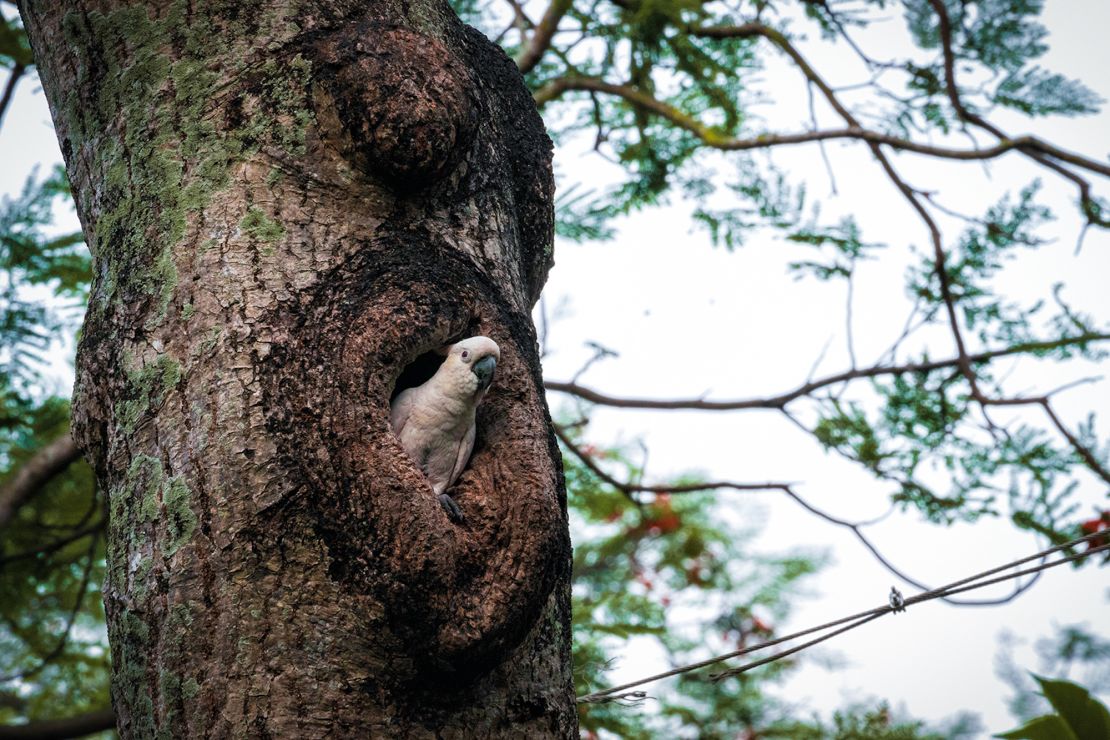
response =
{"points": [[289, 203]]}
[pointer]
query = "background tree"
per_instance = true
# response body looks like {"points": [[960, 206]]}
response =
{"points": [[666, 88]]}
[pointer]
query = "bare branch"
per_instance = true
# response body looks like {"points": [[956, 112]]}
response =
{"points": [[531, 54], [17, 72], [856, 528], [61, 729], [46, 463], [555, 88], [1080, 449], [629, 488], [59, 648], [55, 545], [780, 401]]}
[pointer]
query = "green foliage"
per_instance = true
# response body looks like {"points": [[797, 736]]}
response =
{"points": [[1037, 92], [670, 574], [1072, 650], [14, 49], [31, 257], [992, 38], [53, 646], [919, 428], [766, 197], [977, 258], [878, 724], [842, 243], [638, 564], [581, 216], [1079, 716]]}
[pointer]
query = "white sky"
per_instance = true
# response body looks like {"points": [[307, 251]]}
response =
{"points": [[688, 319]]}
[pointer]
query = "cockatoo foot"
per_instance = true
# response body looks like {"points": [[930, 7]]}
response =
{"points": [[454, 513]]}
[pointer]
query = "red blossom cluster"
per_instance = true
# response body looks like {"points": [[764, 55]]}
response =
{"points": [[1099, 525]]}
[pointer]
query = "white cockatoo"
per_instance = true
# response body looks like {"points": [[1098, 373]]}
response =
{"points": [[435, 421]]}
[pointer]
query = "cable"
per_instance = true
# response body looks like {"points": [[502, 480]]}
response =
{"points": [[970, 583]]}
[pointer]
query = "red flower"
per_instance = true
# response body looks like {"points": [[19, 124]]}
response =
{"points": [[1095, 526]]}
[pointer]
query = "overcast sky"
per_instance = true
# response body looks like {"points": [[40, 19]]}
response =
{"points": [[688, 319]]}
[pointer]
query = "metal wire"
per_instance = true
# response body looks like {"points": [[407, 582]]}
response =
{"points": [[979, 580]]}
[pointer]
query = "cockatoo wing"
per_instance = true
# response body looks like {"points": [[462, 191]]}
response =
{"points": [[400, 409], [466, 446]]}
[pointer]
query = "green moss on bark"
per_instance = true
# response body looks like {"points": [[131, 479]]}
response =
{"points": [[258, 225], [130, 639], [161, 133], [148, 386], [181, 520], [148, 500]]}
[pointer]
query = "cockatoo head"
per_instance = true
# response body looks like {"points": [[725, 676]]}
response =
{"points": [[471, 362]]}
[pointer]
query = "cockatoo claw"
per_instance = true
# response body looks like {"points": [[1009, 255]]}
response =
{"points": [[454, 513]]}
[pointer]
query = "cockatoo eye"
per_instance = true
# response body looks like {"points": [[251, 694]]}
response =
{"points": [[466, 354]]}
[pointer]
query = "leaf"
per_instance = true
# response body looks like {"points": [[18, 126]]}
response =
{"points": [[1086, 717], [1049, 727], [1037, 92]]}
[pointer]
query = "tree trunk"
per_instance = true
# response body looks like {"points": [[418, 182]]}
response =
{"points": [[289, 204]]}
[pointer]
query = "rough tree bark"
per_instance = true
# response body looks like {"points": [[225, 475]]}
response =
{"points": [[290, 203]]}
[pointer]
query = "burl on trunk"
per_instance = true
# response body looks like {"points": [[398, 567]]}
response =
{"points": [[289, 204]]}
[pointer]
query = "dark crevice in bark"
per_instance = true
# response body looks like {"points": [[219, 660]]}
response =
{"points": [[458, 597]]}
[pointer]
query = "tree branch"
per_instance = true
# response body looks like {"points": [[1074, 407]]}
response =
{"points": [[9, 88], [61, 729], [629, 488], [555, 88], [1080, 449], [945, 29], [780, 401], [856, 528], [531, 54], [46, 463], [939, 257], [59, 648], [55, 545]]}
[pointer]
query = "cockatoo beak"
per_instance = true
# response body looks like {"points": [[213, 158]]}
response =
{"points": [[483, 369]]}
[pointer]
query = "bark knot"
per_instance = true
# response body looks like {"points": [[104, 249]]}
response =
{"points": [[404, 100]]}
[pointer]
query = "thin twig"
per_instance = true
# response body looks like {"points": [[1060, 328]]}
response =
{"points": [[645, 102], [533, 52], [628, 489], [1036, 153]]}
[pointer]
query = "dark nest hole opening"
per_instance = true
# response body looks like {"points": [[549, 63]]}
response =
{"points": [[417, 372], [420, 371]]}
